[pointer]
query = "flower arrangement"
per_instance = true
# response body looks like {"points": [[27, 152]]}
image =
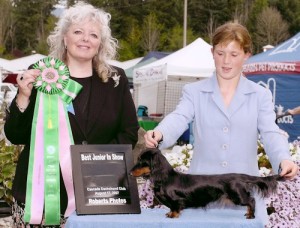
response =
{"points": [[283, 207], [180, 157], [284, 210], [264, 164]]}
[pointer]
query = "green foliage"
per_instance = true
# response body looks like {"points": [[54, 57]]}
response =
{"points": [[126, 52], [42, 47], [290, 11], [206, 15], [2, 50], [30, 22], [9, 155], [263, 160], [150, 32], [175, 38], [130, 46]]}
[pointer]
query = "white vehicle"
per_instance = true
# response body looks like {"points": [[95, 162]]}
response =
{"points": [[7, 93]]}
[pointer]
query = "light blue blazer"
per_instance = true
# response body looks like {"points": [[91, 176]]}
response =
{"points": [[225, 139]]}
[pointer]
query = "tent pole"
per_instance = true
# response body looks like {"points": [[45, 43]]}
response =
{"points": [[184, 23]]}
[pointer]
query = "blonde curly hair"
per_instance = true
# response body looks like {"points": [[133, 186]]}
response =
{"points": [[75, 14]]}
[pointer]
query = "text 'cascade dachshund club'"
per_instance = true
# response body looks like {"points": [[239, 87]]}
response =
{"points": [[178, 191]]}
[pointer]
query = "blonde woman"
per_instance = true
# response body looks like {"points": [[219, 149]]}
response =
{"points": [[102, 113]]}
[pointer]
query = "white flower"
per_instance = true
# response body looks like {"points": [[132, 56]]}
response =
{"points": [[189, 146], [176, 149], [263, 171], [294, 152], [180, 157], [296, 157], [188, 164]]}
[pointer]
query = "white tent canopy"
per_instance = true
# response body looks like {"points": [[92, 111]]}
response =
{"points": [[194, 60], [20, 64], [158, 85], [126, 64]]}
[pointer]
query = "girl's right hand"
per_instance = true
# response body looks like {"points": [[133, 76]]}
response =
{"points": [[152, 138]]}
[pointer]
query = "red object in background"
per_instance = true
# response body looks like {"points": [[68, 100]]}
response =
{"points": [[156, 115], [11, 78]]}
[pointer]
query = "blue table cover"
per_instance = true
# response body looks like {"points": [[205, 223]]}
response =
{"points": [[152, 218]]}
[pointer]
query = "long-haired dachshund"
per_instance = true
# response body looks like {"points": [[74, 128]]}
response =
{"points": [[178, 191]]}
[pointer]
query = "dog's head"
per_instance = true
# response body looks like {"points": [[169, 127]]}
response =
{"points": [[148, 163]]}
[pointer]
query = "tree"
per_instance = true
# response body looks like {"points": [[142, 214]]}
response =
{"points": [[270, 27], [290, 11], [150, 33], [255, 9], [5, 23], [206, 15], [175, 37], [30, 20], [130, 47], [240, 10]]}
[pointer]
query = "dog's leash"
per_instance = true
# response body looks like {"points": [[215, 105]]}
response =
{"points": [[158, 142]]}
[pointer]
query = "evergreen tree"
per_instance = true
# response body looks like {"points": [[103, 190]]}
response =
{"points": [[5, 24], [290, 11], [30, 20]]}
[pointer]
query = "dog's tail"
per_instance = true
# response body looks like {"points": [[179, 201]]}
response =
{"points": [[265, 185]]}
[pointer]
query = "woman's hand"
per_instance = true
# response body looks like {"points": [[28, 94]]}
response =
{"points": [[25, 81], [25, 85], [152, 138]]}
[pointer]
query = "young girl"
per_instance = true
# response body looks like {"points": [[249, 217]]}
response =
{"points": [[228, 112]]}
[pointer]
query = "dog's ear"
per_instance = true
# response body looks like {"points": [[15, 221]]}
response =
{"points": [[154, 156], [152, 151], [160, 168]]}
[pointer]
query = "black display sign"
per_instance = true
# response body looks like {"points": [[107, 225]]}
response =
{"points": [[102, 182]]}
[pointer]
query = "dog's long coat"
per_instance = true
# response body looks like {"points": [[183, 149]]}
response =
{"points": [[178, 191]]}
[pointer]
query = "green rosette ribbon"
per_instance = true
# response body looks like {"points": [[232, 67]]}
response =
{"points": [[51, 138]]}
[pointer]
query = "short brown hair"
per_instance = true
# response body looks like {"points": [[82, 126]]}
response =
{"points": [[233, 31]]}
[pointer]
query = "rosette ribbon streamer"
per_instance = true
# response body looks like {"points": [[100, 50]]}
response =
{"points": [[51, 138]]}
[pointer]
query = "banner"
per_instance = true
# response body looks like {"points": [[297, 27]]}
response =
{"points": [[286, 95], [152, 74]]}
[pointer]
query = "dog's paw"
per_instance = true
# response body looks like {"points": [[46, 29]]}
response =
{"points": [[249, 216], [250, 213], [173, 214]]}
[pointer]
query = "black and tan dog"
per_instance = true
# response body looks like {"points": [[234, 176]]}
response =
{"points": [[178, 191]]}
